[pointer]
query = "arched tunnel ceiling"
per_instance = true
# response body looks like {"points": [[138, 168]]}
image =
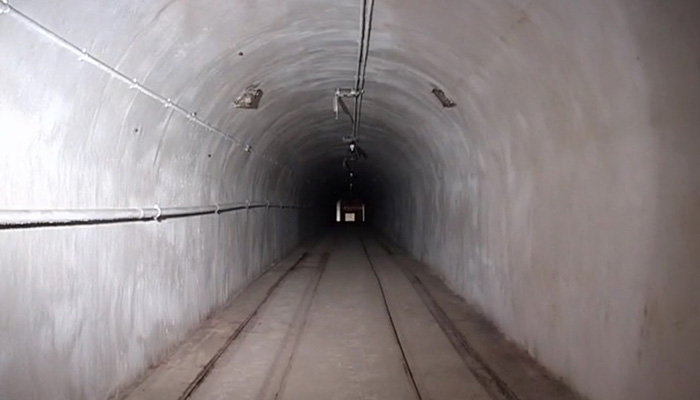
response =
{"points": [[299, 53], [548, 197], [299, 66]]}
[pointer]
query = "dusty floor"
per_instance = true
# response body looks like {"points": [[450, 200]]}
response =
{"points": [[349, 317]]}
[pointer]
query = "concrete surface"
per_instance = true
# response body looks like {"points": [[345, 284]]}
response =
{"points": [[253, 366], [560, 195], [348, 349], [352, 320], [329, 331], [438, 370], [184, 368]]}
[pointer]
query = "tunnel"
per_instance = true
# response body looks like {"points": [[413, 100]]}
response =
{"points": [[540, 157]]}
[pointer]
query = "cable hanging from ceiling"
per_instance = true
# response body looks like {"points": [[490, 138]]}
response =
{"points": [[363, 55], [355, 152]]}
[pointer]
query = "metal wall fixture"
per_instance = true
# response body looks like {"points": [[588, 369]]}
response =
{"points": [[250, 98], [442, 97]]}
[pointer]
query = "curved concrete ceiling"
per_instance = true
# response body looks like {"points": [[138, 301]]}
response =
{"points": [[539, 197]]}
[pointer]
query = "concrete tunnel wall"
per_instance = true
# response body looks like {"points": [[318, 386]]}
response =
{"points": [[560, 196]]}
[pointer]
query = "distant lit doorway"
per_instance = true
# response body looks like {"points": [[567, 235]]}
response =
{"points": [[350, 211]]}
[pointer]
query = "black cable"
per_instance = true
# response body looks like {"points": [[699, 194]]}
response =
{"points": [[366, 48], [360, 63], [363, 22], [362, 66]]}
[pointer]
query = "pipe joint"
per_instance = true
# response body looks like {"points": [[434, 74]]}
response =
{"points": [[159, 213]]}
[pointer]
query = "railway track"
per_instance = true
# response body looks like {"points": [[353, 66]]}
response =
{"points": [[407, 367], [497, 388], [312, 266], [258, 360]]}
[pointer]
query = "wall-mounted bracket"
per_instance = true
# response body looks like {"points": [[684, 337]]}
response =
{"points": [[442, 97], [338, 102]]}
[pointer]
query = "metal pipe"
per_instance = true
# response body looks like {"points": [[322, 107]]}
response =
{"points": [[16, 219]]}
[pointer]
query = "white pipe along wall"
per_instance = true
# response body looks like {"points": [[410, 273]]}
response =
{"points": [[560, 196]]}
